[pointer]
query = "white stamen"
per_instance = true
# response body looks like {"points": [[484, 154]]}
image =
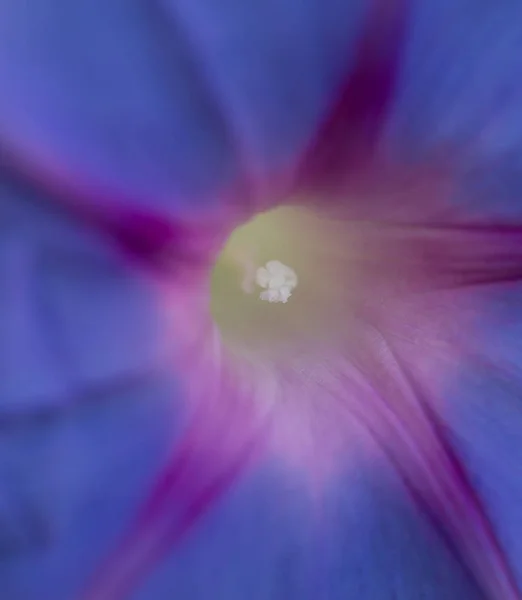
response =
{"points": [[278, 281]]}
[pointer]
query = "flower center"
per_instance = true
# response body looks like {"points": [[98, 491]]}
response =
{"points": [[278, 280], [274, 288]]}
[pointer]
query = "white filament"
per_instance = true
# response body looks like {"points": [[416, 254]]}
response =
{"points": [[278, 281]]}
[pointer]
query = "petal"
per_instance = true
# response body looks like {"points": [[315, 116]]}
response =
{"points": [[163, 107]]}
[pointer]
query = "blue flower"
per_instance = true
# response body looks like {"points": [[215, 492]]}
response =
{"points": [[234, 240]]}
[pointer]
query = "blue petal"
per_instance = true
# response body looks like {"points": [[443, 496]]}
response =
{"points": [[163, 101]]}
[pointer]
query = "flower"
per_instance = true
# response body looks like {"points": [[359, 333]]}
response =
{"points": [[377, 281], [349, 267]]}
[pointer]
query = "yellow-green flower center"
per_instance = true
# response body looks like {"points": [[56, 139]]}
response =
{"points": [[275, 287]]}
